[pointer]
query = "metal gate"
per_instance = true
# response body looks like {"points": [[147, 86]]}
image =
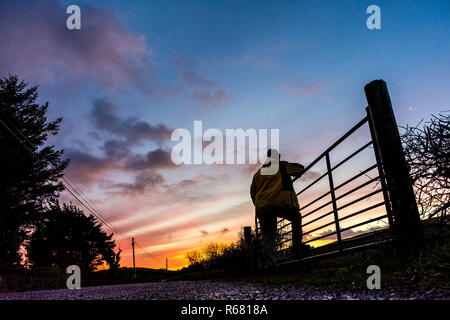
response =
{"points": [[342, 217]]}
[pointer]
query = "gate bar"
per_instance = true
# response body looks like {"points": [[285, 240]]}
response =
{"points": [[356, 127], [333, 199]]}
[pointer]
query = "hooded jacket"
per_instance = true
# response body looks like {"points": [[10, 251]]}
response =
{"points": [[275, 191]]}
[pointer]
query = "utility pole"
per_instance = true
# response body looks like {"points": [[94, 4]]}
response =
{"points": [[134, 264], [167, 263]]}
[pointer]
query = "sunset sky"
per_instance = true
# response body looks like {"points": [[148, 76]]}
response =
{"points": [[137, 70]]}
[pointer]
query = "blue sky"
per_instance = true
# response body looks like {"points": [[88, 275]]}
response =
{"points": [[139, 69]]}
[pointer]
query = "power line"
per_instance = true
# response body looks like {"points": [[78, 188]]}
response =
{"points": [[145, 252], [85, 203]]}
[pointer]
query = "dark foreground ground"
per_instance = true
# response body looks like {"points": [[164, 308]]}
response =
{"points": [[424, 274], [214, 290]]}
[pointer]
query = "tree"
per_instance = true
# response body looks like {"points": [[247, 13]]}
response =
{"points": [[112, 259], [66, 236], [233, 256], [212, 251], [427, 151], [28, 184], [194, 257], [208, 256]]}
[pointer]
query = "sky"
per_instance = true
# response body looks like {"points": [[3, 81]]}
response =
{"points": [[137, 70]]}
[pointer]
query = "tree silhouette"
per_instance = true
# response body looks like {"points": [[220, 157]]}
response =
{"points": [[427, 150], [28, 185], [112, 259], [66, 236]]}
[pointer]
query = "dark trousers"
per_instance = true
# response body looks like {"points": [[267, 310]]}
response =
{"points": [[268, 224]]}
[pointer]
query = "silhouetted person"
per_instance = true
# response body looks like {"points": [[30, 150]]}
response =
{"points": [[273, 195]]}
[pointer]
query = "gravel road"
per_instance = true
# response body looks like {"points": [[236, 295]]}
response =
{"points": [[213, 290]]}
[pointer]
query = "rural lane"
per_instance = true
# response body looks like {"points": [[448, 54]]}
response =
{"points": [[214, 290]]}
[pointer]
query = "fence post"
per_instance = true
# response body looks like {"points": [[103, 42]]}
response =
{"points": [[387, 201], [248, 240], [408, 228]]}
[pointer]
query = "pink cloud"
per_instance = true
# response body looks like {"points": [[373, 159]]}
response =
{"points": [[86, 169], [301, 89], [210, 98], [191, 75], [204, 91], [37, 45]]}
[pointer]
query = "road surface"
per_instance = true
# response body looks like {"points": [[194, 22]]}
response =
{"points": [[213, 290]]}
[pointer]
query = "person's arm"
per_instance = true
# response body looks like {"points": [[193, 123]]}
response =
{"points": [[294, 169], [253, 189]]}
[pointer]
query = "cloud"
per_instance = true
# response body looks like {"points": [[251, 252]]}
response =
{"points": [[210, 97], [202, 89], [300, 89], [186, 183], [310, 175], [104, 117], [118, 155], [190, 75], [345, 234], [86, 169], [188, 224], [197, 189], [37, 45], [142, 183], [156, 159], [116, 149]]}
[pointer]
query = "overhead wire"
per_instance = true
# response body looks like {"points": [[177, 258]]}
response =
{"points": [[72, 188]]}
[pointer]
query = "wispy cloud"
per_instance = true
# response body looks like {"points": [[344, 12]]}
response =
{"points": [[156, 159], [300, 89], [205, 91], [86, 169], [210, 97], [120, 136], [37, 45], [190, 74], [142, 183], [104, 116]]}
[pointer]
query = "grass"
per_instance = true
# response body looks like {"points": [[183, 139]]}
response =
{"points": [[37, 279], [429, 268]]}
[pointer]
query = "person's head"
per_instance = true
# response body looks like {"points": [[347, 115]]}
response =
{"points": [[272, 153]]}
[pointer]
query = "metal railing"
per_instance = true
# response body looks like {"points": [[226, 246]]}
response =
{"points": [[316, 215]]}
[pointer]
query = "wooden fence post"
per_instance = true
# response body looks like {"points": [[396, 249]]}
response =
{"points": [[408, 229], [248, 242]]}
